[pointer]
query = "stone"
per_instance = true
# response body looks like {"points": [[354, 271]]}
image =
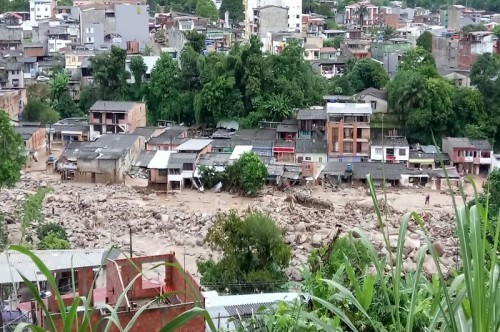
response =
{"points": [[200, 241], [317, 240], [413, 244], [429, 265], [296, 274], [101, 198], [438, 248], [301, 238], [300, 227], [289, 239]]}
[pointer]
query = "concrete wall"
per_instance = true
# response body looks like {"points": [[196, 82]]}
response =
{"points": [[11, 101], [132, 23], [93, 33], [381, 106], [136, 117], [339, 150], [316, 157], [445, 52], [379, 153], [272, 19]]}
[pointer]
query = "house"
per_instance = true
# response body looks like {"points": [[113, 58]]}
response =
{"points": [[67, 133], [149, 61], [348, 128], [148, 133], [181, 169], [41, 9], [377, 98], [34, 137], [467, 155], [215, 160], [311, 123], [171, 279], [311, 52], [287, 130], [11, 74], [352, 17], [471, 45], [169, 140], [116, 117], [294, 16], [427, 157], [268, 19], [12, 102], [104, 160], [284, 151], [103, 25], [158, 169], [356, 49], [311, 150], [390, 150], [198, 146], [460, 78], [261, 140]]}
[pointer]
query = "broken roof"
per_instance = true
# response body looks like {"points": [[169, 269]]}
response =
{"points": [[251, 134], [146, 132], [170, 135], [113, 106], [214, 159], [380, 171], [107, 146], [160, 160], [143, 158]]}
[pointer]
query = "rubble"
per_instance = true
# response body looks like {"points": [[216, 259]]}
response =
{"points": [[106, 214]]}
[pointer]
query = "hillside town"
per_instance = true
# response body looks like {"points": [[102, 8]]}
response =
{"points": [[162, 157]]}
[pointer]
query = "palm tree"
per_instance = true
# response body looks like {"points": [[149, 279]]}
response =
{"points": [[361, 13], [277, 106], [388, 32]]}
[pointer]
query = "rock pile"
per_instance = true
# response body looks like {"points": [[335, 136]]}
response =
{"points": [[104, 215]]}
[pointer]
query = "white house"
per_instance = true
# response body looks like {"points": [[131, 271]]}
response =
{"points": [[311, 150], [294, 12], [390, 149], [41, 9]]}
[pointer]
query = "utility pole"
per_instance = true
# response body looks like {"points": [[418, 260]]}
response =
{"points": [[130, 238]]}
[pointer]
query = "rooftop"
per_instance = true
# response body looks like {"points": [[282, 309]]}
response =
{"points": [[177, 160], [239, 150], [170, 135], [160, 160], [143, 158], [391, 141], [55, 260], [381, 94], [196, 144], [310, 146], [311, 114], [287, 128], [348, 108], [146, 132], [117, 106], [214, 159], [251, 134], [107, 146]]}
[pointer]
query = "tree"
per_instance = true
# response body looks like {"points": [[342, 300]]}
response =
{"points": [[206, 8], [66, 106], [88, 97], [109, 74], [361, 13], [235, 9], [32, 210], [163, 96], [248, 173], [276, 107], [44, 229], [12, 154], [38, 111], [473, 28], [52, 242], [418, 59], [425, 41], [196, 41], [496, 31], [388, 33], [58, 86], [4, 234], [254, 254], [367, 73], [138, 69]]}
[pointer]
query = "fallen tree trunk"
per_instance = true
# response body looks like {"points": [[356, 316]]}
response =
{"points": [[309, 201]]}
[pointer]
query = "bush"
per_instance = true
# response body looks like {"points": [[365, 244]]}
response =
{"points": [[45, 229], [52, 241]]}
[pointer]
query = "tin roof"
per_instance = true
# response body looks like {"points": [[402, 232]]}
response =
{"points": [[391, 141], [160, 160], [349, 108], [143, 158], [177, 160], [195, 144], [118, 106], [214, 159], [311, 114], [310, 146], [55, 260]]}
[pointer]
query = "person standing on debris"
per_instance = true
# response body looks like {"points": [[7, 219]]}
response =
{"points": [[427, 199]]}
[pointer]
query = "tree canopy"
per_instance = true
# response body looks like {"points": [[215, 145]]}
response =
{"points": [[254, 254], [206, 8], [425, 41], [12, 154], [235, 9]]}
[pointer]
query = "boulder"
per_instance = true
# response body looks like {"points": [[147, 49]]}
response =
{"points": [[429, 265], [300, 227], [317, 240], [101, 198]]}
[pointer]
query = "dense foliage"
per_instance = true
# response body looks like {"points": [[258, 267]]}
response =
{"points": [[4, 234], [424, 102], [254, 254], [12, 153], [32, 211], [247, 175]]}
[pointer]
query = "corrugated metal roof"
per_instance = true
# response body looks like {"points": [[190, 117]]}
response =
{"points": [[55, 260], [178, 160], [310, 146], [311, 114], [287, 128], [196, 144], [143, 158], [214, 159], [160, 160], [348, 108]]}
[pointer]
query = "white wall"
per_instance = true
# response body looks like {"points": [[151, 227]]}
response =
{"points": [[377, 155], [40, 9], [294, 10], [316, 157]]}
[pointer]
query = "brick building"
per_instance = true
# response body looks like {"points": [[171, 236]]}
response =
{"points": [[116, 117], [166, 296], [348, 131], [12, 102]]}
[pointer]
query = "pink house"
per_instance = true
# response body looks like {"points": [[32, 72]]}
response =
{"points": [[352, 17]]}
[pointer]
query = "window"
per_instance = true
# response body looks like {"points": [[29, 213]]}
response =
{"points": [[390, 152], [297, 25], [46, 9], [187, 167], [320, 159], [300, 159], [347, 147], [402, 152], [308, 158], [378, 150], [37, 9], [162, 172], [297, 16], [374, 104]]}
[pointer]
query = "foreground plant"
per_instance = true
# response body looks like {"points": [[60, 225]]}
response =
{"points": [[72, 316]]}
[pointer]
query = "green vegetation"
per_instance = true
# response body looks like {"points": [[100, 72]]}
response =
{"points": [[52, 236], [4, 234], [206, 8], [425, 41], [40, 111], [235, 9], [247, 175], [12, 153], [254, 254], [32, 211]]}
